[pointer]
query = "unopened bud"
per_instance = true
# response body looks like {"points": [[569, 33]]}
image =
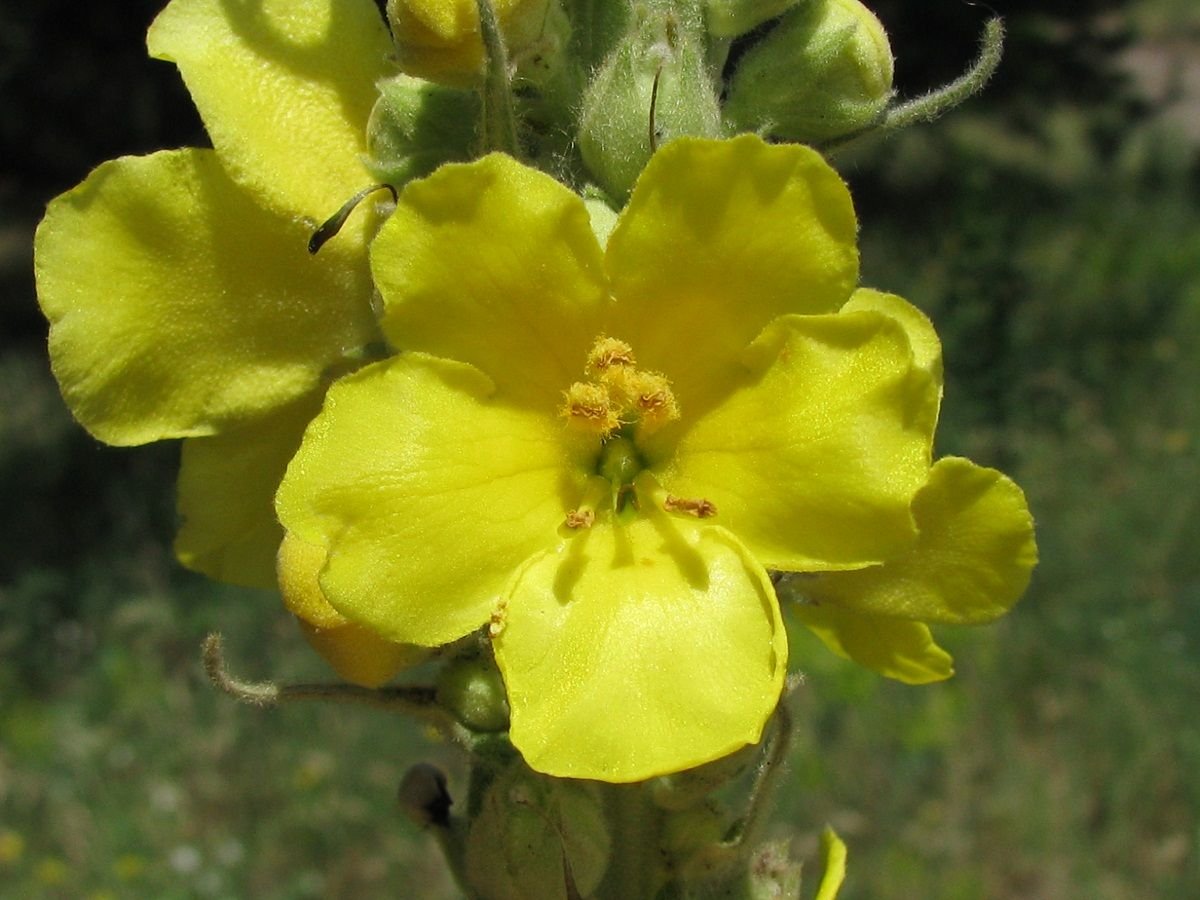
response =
{"points": [[534, 836], [440, 39], [823, 72], [416, 126], [652, 88], [424, 797], [471, 688]]}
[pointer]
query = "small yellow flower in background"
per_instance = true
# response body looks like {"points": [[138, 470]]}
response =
{"points": [[182, 300], [601, 452], [12, 847], [440, 39]]}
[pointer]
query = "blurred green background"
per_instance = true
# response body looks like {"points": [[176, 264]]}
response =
{"points": [[1052, 231]]}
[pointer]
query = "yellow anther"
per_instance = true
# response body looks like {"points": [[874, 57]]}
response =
{"points": [[608, 353], [580, 518], [701, 509], [590, 407], [653, 400]]}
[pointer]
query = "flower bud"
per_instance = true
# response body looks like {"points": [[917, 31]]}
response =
{"points": [[416, 126], [530, 830], [655, 79], [440, 40], [472, 690], [823, 72], [730, 18], [356, 653]]}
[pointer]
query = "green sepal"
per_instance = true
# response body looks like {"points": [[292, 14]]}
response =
{"points": [[416, 126], [730, 18]]}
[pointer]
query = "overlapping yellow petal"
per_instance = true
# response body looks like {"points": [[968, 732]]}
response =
{"points": [[285, 88], [718, 239], [226, 496], [813, 459], [896, 648], [427, 494], [635, 650], [179, 306], [494, 264], [972, 560], [926, 347], [356, 653]]}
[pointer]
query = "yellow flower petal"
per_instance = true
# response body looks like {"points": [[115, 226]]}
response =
{"points": [[439, 39], [718, 239], [926, 347], [427, 494], [357, 654], [177, 305], [897, 648], [638, 650], [833, 848], [226, 496], [494, 264], [813, 459], [972, 560], [285, 88]]}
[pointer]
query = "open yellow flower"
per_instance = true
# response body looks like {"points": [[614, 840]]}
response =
{"points": [[602, 451], [181, 297]]}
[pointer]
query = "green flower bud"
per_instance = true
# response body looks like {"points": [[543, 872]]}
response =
{"points": [[416, 126], [729, 18], [823, 72], [471, 688], [656, 79], [531, 831]]}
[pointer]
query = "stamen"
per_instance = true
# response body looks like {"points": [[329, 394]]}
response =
{"points": [[590, 407], [608, 353], [701, 509], [654, 401], [580, 518], [497, 619]]}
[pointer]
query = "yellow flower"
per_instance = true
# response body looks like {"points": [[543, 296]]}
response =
{"points": [[440, 39], [602, 451], [181, 297]]}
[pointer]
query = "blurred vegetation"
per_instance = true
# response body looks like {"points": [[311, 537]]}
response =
{"points": [[1052, 231]]}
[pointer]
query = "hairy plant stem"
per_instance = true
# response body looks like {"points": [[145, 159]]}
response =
{"points": [[498, 127], [929, 106]]}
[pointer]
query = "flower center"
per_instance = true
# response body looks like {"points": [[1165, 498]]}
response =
{"points": [[615, 401], [616, 395]]}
